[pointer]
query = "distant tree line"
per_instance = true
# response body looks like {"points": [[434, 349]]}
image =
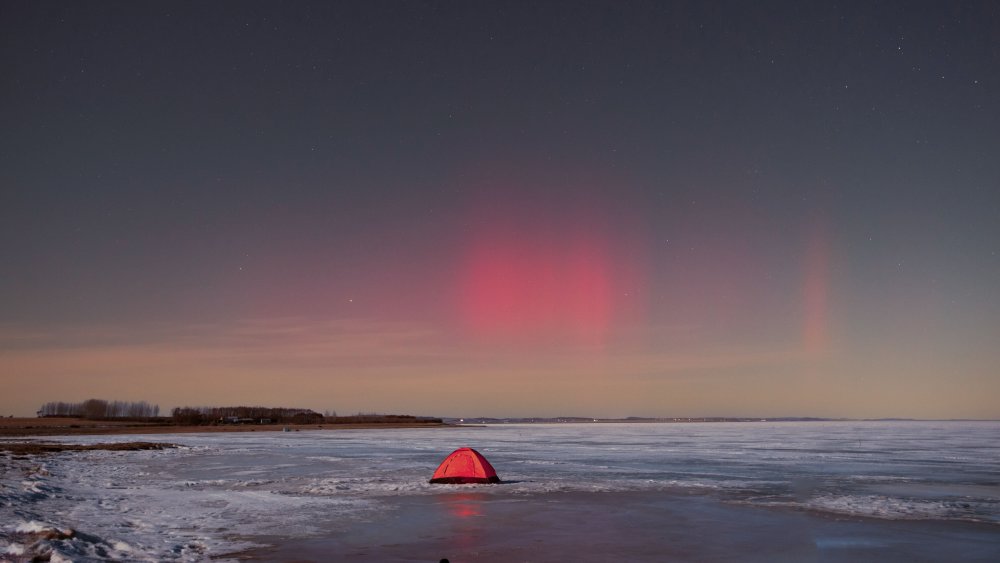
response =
{"points": [[96, 409], [244, 415], [372, 418]]}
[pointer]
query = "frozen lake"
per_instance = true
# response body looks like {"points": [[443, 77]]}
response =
{"points": [[766, 490]]}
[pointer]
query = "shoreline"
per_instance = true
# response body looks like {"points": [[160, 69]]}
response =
{"points": [[45, 427], [19, 449]]}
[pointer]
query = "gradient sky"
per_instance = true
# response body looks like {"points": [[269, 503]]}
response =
{"points": [[503, 208]]}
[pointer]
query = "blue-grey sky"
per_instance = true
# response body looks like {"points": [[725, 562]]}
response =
{"points": [[503, 208]]}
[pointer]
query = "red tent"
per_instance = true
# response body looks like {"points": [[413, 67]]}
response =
{"points": [[465, 465]]}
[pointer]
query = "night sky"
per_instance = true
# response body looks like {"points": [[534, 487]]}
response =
{"points": [[503, 208]]}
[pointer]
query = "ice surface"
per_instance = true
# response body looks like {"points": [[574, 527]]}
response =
{"points": [[32, 527], [221, 493]]}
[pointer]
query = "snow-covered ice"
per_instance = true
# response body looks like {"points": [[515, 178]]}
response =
{"points": [[222, 493]]}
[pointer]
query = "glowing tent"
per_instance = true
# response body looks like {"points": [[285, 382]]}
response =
{"points": [[465, 465]]}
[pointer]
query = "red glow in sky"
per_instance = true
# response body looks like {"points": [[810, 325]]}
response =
{"points": [[544, 275], [517, 282], [814, 292]]}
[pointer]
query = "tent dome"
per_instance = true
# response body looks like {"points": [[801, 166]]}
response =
{"points": [[465, 465]]}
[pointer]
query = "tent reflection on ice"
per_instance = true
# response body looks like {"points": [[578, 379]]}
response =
{"points": [[465, 465]]}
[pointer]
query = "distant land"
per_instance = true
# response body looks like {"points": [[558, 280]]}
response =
{"points": [[70, 425], [66, 426], [639, 419], [629, 419]]}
